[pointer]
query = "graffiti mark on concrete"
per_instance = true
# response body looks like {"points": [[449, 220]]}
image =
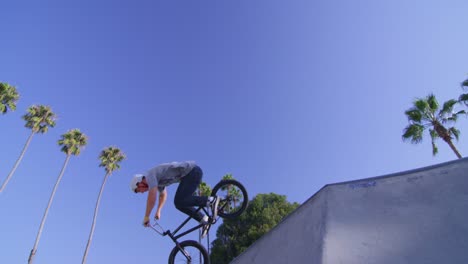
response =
{"points": [[414, 178], [363, 184]]}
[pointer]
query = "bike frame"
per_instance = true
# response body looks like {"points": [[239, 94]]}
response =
{"points": [[174, 236]]}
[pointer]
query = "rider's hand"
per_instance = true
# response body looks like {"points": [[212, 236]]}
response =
{"points": [[157, 216], [146, 221]]}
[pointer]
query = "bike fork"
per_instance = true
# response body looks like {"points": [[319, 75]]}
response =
{"points": [[186, 254]]}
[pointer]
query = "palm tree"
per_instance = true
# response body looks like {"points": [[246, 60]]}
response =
{"points": [[39, 118], [233, 192], [71, 143], [426, 113], [8, 97], [228, 177], [110, 160]]}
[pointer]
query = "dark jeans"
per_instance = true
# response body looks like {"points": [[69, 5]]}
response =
{"points": [[184, 199]]}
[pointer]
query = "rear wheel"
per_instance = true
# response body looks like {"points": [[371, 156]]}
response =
{"points": [[196, 253], [233, 196]]}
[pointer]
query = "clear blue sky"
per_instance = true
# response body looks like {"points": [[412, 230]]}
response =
{"points": [[286, 95]]}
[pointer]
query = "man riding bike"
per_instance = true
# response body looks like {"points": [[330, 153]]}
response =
{"points": [[189, 176]]}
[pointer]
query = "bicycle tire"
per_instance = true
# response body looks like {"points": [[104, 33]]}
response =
{"points": [[227, 207], [197, 247]]}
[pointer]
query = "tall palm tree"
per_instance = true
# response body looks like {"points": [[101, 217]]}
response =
{"points": [[71, 143], [110, 160], [228, 177], [8, 97], [426, 114], [233, 192], [39, 118]]}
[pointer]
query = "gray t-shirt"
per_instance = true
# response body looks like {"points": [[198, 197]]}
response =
{"points": [[167, 174]]}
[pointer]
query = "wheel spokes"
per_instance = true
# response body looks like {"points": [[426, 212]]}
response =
{"points": [[231, 199]]}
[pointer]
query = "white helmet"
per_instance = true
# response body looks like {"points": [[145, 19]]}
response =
{"points": [[136, 179]]}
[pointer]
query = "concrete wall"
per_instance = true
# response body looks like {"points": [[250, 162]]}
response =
{"points": [[419, 216]]}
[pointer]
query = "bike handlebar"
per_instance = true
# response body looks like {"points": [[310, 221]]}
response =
{"points": [[161, 231]]}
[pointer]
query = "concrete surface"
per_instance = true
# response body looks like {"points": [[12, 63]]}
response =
{"points": [[417, 217]]}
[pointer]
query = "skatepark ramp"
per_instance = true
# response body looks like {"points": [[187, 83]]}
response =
{"points": [[418, 217]]}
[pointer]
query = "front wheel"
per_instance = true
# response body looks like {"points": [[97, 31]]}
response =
{"points": [[234, 198], [194, 253]]}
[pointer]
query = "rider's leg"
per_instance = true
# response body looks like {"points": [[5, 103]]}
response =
{"points": [[184, 199]]}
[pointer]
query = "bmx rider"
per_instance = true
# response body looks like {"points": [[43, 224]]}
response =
{"points": [[188, 174]]}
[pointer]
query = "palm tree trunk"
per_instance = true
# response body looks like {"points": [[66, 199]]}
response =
{"points": [[229, 194], [17, 161], [449, 142], [96, 210], [33, 251]]}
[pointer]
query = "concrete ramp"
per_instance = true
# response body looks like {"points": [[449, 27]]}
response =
{"points": [[414, 217]]}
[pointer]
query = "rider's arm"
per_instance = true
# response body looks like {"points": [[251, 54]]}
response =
{"points": [[151, 201], [162, 201]]}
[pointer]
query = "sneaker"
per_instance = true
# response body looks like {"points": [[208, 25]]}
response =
{"points": [[205, 220], [214, 207], [205, 229]]}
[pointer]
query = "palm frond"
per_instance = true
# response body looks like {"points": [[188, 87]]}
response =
{"points": [[464, 83], [414, 133], [452, 118], [455, 132], [434, 137], [414, 115], [463, 98], [435, 149], [432, 103], [447, 108], [422, 105]]}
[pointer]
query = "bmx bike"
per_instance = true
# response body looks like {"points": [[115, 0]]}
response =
{"points": [[233, 202]]}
